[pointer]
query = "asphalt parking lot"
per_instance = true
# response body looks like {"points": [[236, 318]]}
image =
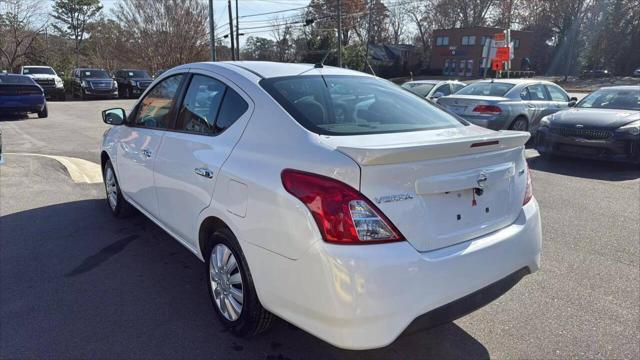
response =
{"points": [[77, 283]]}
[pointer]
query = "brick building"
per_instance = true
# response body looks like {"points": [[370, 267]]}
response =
{"points": [[458, 52]]}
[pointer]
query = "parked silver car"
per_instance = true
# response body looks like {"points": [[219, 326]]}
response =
{"points": [[515, 104], [433, 89]]}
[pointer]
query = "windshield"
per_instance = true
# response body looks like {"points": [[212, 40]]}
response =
{"points": [[38, 70], [486, 89], [138, 74], [354, 105], [421, 89], [16, 80], [612, 99], [94, 74]]}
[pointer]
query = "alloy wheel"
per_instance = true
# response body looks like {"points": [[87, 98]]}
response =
{"points": [[226, 282], [111, 187]]}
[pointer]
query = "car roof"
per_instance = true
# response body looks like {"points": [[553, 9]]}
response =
{"points": [[621, 87], [37, 66], [268, 69], [434, 81], [516, 81]]}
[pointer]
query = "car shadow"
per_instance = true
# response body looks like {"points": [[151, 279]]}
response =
{"points": [[78, 283], [13, 117], [585, 168]]}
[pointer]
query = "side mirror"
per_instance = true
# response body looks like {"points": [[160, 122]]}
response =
{"points": [[437, 95], [114, 116], [573, 101]]}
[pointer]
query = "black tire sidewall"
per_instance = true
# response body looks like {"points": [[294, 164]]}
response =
{"points": [[121, 209], [245, 324]]}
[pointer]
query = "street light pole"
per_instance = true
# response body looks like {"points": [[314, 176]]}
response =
{"points": [[212, 31], [339, 34], [233, 48]]}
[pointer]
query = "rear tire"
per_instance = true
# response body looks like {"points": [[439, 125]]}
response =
{"points": [[520, 124], [119, 206], [227, 291], [44, 113]]}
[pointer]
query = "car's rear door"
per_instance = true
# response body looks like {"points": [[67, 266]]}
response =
{"points": [[140, 140], [210, 121], [558, 98]]}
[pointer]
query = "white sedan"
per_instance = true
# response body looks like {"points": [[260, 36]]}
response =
{"points": [[328, 197]]}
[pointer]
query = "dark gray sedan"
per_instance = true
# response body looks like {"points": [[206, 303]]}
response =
{"points": [[515, 104], [604, 125]]}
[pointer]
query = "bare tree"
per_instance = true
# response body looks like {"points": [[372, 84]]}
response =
{"points": [[398, 13], [165, 33], [282, 34], [21, 22]]}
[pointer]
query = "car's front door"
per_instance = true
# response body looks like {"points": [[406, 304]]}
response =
{"points": [[210, 122], [139, 142]]}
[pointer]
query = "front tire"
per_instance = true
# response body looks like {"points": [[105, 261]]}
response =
{"points": [[520, 124], [44, 113], [119, 206], [231, 287]]}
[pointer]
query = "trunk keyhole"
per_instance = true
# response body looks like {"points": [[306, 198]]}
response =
{"points": [[486, 210], [459, 217], [478, 191]]}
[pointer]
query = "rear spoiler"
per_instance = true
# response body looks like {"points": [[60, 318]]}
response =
{"points": [[372, 155]]}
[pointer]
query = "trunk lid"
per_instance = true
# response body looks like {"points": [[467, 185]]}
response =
{"points": [[424, 182], [464, 104]]}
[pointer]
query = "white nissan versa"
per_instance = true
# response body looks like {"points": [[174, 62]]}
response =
{"points": [[331, 198]]}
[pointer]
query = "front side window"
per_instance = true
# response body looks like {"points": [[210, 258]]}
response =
{"points": [[444, 90], [154, 111], [486, 89], [365, 105], [536, 92], [201, 105], [557, 94], [457, 87]]}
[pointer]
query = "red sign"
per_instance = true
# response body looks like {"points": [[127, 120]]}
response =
{"points": [[497, 65], [503, 53], [498, 37]]}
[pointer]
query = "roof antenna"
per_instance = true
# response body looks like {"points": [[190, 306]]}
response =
{"points": [[320, 65]]}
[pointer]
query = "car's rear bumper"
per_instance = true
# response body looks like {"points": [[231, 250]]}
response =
{"points": [[493, 122], [19, 104], [363, 297], [620, 147]]}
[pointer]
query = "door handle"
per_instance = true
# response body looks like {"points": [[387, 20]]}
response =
{"points": [[204, 172], [146, 153]]}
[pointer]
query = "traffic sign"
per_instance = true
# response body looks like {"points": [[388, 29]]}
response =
{"points": [[499, 37], [503, 53], [497, 65]]}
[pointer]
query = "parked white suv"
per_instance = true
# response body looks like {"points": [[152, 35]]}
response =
{"points": [[328, 197], [48, 80]]}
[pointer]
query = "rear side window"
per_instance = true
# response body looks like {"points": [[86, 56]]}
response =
{"points": [[443, 89], [557, 94], [457, 87], [209, 107], [486, 89], [536, 92], [233, 106], [201, 104], [354, 105]]}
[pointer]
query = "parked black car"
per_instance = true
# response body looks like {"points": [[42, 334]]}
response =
{"points": [[132, 83], [604, 125], [93, 83]]}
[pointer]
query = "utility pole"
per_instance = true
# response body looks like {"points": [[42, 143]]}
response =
{"points": [[509, 46], [212, 31], [237, 32], [339, 34], [233, 48], [366, 56]]}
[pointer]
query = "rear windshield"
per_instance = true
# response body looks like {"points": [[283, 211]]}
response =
{"points": [[16, 80], [35, 70], [421, 89], [612, 99], [355, 105], [94, 74], [486, 89]]}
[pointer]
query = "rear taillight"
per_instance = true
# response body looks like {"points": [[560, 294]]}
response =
{"points": [[343, 215], [487, 109], [528, 192]]}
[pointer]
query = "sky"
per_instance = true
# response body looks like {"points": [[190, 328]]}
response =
{"points": [[246, 7]]}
